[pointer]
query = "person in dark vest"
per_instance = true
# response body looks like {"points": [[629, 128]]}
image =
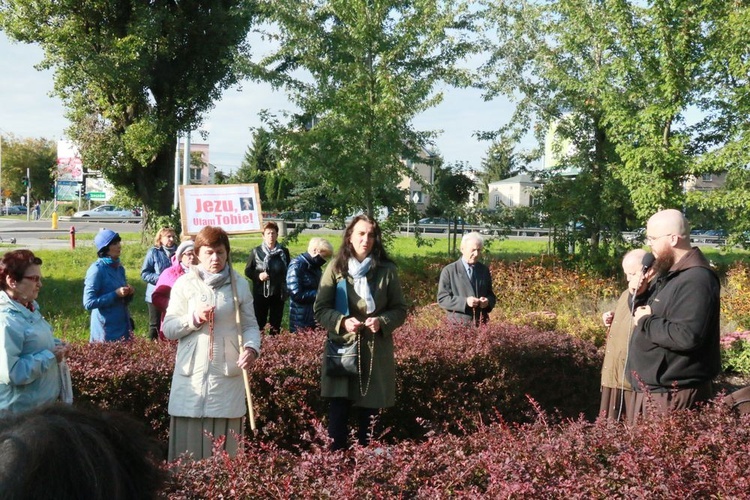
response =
{"points": [[266, 268]]}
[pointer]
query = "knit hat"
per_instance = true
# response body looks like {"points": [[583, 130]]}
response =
{"points": [[104, 238], [184, 247]]}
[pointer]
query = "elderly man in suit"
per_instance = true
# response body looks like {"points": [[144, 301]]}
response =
{"points": [[465, 287]]}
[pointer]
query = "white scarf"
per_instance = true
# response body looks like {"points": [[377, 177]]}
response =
{"points": [[358, 272]]}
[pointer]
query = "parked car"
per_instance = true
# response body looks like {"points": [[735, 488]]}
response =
{"points": [[14, 210], [311, 216], [105, 211], [428, 224]]}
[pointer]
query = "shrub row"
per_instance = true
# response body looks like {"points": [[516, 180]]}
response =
{"points": [[448, 379], [682, 455]]}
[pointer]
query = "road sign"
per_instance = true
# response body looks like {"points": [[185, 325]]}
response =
{"points": [[97, 195]]}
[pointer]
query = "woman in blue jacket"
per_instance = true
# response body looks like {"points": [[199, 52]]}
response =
{"points": [[302, 280], [106, 293], [29, 354], [158, 258]]}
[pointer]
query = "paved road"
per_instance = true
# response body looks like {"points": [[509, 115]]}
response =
{"points": [[39, 234]]}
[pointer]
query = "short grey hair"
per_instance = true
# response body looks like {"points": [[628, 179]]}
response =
{"points": [[472, 236]]}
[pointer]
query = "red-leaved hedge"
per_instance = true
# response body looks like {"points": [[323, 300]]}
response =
{"points": [[683, 455], [448, 379]]}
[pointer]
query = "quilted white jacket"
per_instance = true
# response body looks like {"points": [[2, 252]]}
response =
{"points": [[203, 387]]}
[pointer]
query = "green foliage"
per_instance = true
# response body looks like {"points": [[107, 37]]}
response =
{"points": [[134, 75], [735, 356], [37, 155], [369, 67]]}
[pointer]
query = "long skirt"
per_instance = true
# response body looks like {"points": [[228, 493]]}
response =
{"points": [[617, 404], [193, 435]]}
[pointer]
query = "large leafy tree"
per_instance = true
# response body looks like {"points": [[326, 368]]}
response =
{"points": [[39, 156], [657, 77], [133, 75], [723, 132], [359, 71], [555, 59]]}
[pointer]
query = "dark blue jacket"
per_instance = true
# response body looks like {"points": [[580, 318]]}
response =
{"points": [[157, 260], [302, 280]]}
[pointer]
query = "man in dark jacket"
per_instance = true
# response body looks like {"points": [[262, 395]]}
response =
{"points": [[465, 286], [674, 350]]}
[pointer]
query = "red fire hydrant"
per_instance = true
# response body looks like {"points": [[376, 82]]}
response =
{"points": [[72, 237]]}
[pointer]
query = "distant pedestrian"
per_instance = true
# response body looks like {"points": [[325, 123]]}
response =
{"points": [[37, 210]]}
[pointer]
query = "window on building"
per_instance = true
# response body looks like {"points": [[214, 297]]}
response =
{"points": [[707, 177]]}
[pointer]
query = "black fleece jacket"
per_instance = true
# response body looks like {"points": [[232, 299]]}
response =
{"points": [[678, 344]]}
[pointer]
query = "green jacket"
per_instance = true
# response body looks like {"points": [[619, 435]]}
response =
{"points": [[390, 308]]}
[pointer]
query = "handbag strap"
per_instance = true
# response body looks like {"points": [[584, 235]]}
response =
{"points": [[359, 363]]}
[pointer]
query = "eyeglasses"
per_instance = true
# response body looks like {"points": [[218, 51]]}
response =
{"points": [[35, 278], [651, 239]]}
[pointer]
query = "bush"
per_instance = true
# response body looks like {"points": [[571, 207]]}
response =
{"points": [[735, 302], [685, 454], [132, 377], [735, 352], [448, 378]]}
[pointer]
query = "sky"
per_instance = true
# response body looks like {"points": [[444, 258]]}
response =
{"points": [[27, 110]]}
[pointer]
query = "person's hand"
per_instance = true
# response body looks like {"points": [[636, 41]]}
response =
{"points": [[263, 276], [60, 351], [472, 301], [373, 324], [203, 313], [607, 318], [247, 358], [124, 291], [351, 325], [483, 302], [640, 312]]}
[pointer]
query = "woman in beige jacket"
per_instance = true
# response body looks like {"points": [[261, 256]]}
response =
{"points": [[207, 388]]}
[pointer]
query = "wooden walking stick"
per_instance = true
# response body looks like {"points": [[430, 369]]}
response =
{"points": [[241, 343]]}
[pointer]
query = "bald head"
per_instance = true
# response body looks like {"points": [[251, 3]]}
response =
{"points": [[633, 259], [669, 221]]}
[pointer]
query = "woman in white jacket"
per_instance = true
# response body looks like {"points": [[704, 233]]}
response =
{"points": [[208, 392]]}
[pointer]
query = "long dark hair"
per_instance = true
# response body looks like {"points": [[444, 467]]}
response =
{"points": [[378, 253]]}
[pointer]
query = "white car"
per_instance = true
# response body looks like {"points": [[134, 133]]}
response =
{"points": [[105, 211]]}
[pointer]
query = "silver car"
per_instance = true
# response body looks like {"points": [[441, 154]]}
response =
{"points": [[105, 211]]}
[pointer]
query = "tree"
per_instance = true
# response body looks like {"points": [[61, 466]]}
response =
{"points": [[37, 155], [359, 71], [261, 165], [133, 75], [499, 163], [451, 194], [556, 58], [656, 78], [723, 134]]}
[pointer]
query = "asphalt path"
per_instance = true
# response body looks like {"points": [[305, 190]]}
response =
{"points": [[38, 234]]}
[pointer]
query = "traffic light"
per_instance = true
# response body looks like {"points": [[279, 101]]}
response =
{"points": [[83, 188], [52, 189], [25, 182]]}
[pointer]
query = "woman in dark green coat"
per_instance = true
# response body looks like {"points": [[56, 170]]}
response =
{"points": [[376, 307]]}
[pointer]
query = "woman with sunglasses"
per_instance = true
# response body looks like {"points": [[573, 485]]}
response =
{"points": [[29, 355]]}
